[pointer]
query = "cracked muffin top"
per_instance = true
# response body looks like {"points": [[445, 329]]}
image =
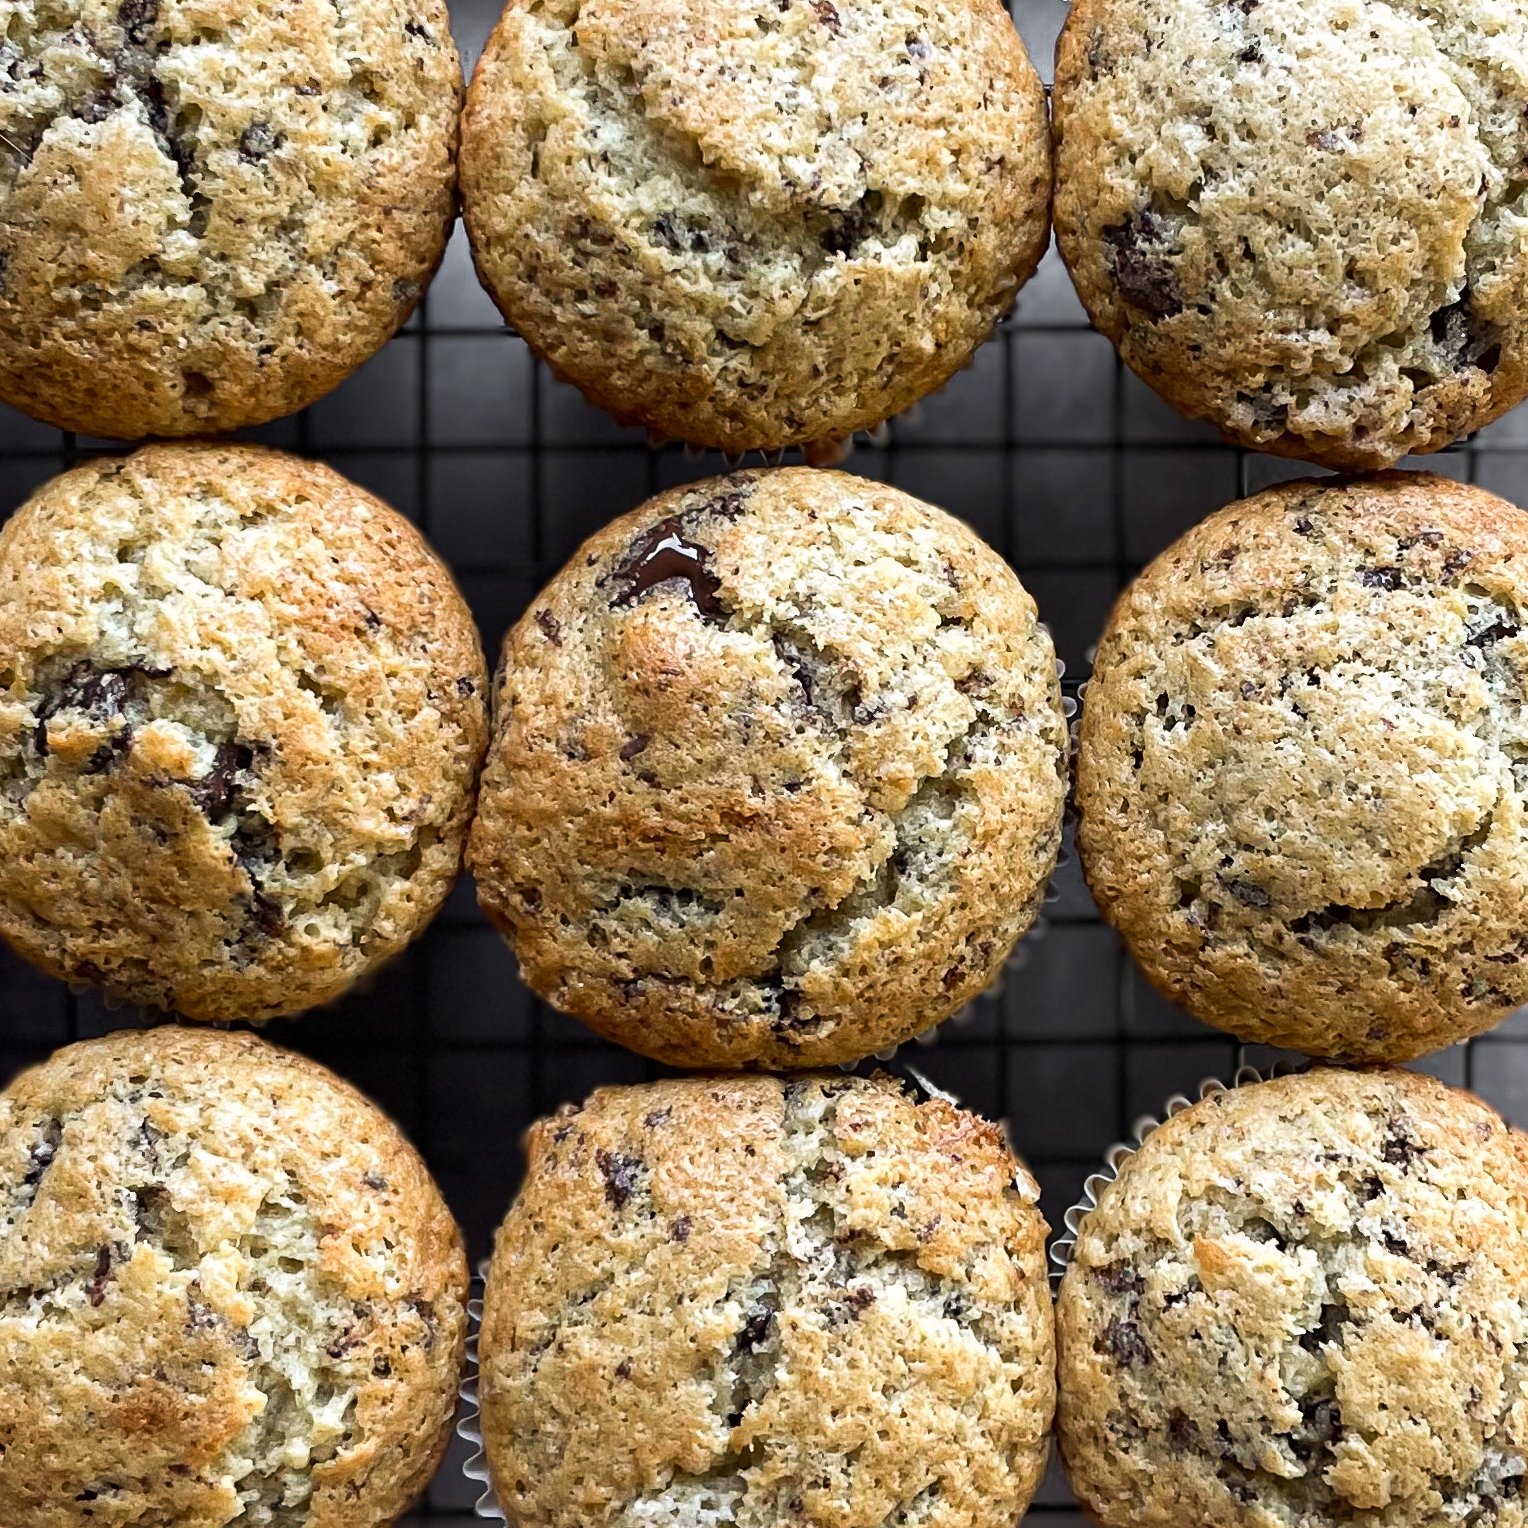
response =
{"points": [[1301, 219], [1304, 1303], [241, 715], [229, 1293], [755, 223], [777, 773], [743, 1302], [212, 211], [1303, 767]]}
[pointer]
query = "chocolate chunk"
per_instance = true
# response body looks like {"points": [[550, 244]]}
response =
{"points": [[620, 1175], [827, 14], [214, 792], [635, 745], [259, 140], [420, 30], [137, 18], [1401, 1148], [1123, 1341], [662, 555], [1120, 1279], [755, 1330], [375, 1182], [623, 1369], [550, 626], [1381, 578], [95, 1290], [1140, 262], [680, 1230], [657, 1117], [40, 1157]]}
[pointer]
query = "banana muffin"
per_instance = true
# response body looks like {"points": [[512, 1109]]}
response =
{"points": [[1299, 219], [755, 223], [777, 773], [1303, 767], [229, 1293], [241, 716], [749, 1301], [1304, 1303], [212, 212]]}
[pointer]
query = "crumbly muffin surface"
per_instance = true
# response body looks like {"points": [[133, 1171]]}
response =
{"points": [[1304, 1302], [755, 223], [757, 1301], [241, 714], [210, 213], [229, 1293], [777, 775], [1299, 219], [1303, 767]]}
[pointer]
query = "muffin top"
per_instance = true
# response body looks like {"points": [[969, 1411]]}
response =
{"points": [[777, 773], [1303, 1303], [1299, 219], [751, 1301], [241, 713], [231, 1292], [755, 223], [1303, 766], [211, 211]]}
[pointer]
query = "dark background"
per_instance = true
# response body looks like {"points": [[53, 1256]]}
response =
{"points": [[1063, 461]]}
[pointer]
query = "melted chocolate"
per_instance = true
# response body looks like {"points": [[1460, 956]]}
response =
{"points": [[663, 555]]}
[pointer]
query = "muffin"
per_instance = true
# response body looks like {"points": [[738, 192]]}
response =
{"points": [[241, 715], [777, 773], [1303, 767], [212, 212], [232, 1292], [1300, 219], [751, 1301], [756, 223], [1304, 1303]]}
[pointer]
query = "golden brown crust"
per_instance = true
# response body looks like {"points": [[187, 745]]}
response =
{"points": [[229, 1291], [211, 213], [758, 224], [791, 809], [1301, 776], [241, 715], [748, 1301], [1312, 244], [1304, 1302]]}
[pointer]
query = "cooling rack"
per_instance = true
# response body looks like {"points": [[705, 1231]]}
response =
{"points": [[1046, 445]]}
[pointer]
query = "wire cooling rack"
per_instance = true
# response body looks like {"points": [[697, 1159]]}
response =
{"points": [[1046, 445]]}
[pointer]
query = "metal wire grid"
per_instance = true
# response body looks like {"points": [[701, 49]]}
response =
{"points": [[1057, 456]]}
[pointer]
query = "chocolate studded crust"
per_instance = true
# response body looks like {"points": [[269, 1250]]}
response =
{"points": [[1303, 767], [229, 1293], [777, 774], [1304, 1303], [1298, 219], [212, 211], [241, 715], [756, 223], [750, 1301]]}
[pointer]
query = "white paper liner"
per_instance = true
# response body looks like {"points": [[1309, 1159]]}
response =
{"points": [[469, 1425], [1115, 1157]]}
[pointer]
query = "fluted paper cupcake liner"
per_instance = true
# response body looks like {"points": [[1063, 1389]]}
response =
{"points": [[1118, 1154], [469, 1426]]}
